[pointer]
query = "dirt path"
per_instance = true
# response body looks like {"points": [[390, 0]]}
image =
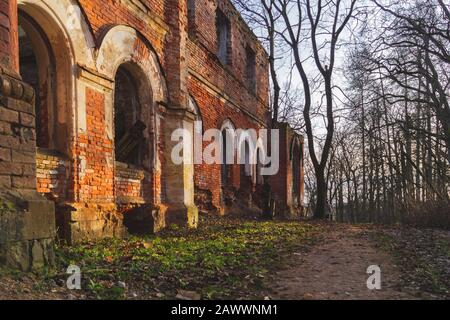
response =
{"points": [[336, 270]]}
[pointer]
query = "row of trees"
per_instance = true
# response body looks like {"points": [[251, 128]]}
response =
{"points": [[391, 158], [372, 100]]}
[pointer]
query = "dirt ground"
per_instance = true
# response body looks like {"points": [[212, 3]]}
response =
{"points": [[336, 270]]}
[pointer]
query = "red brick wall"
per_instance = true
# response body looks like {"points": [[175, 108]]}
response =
{"points": [[102, 14], [230, 78], [222, 91], [201, 55], [95, 181], [175, 51], [163, 26], [201, 59], [282, 183], [214, 112]]}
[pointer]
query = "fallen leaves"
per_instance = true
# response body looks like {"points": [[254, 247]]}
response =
{"points": [[223, 259], [424, 257]]}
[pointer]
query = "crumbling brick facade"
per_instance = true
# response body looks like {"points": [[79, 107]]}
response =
{"points": [[185, 60], [27, 220], [288, 185]]}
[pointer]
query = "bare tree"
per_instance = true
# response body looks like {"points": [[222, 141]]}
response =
{"points": [[324, 23]]}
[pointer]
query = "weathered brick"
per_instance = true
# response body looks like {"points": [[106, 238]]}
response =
{"points": [[26, 182], [8, 115], [5, 128], [27, 120], [10, 168], [5, 181], [5, 154], [9, 141], [23, 157]]}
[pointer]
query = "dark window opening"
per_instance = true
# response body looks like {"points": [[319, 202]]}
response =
{"points": [[246, 168], [296, 165], [37, 71], [226, 168], [223, 37], [259, 167], [128, 127], [250, 69], [191, 15]]}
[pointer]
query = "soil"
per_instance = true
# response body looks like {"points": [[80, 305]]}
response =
{"points": [[336, 269]]}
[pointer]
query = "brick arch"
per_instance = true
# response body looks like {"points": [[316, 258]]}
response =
{"points": [[295, 142], [194, 108], [65, 16], [72, 44], [227, 124], [123, 44]]}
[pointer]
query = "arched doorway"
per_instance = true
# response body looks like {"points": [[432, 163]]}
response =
{"points": [[45, 62], [133, 138], [37, 68], [128, 125], [133, 146]]}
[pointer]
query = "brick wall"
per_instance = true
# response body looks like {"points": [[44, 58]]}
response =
{"points": [[222, 91], [52, 173], [283, 183], [162, 24], [8, 41], [146, 16], [231, 77], [27, 232], [4, 33], [94, 151], [189, 66], [214, 112], [132, 185]]}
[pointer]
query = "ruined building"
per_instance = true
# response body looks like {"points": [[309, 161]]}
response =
{"points": [[90, 93]]}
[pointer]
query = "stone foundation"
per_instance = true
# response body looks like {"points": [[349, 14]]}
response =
{"points": [[27, 231], [86, 222], [27, 220]]}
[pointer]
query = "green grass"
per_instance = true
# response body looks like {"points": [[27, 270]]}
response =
{"points": [[222, 259]]}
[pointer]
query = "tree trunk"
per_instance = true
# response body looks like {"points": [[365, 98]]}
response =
{"points": [[321, 203]]}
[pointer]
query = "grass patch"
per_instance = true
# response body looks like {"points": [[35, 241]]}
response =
{"points": [[223, 259]]}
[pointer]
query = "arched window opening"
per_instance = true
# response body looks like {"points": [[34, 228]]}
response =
{"points": [[37, 68], [128, 125], [228, 149], [246, 167], [225, 169], [259, 167]]}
